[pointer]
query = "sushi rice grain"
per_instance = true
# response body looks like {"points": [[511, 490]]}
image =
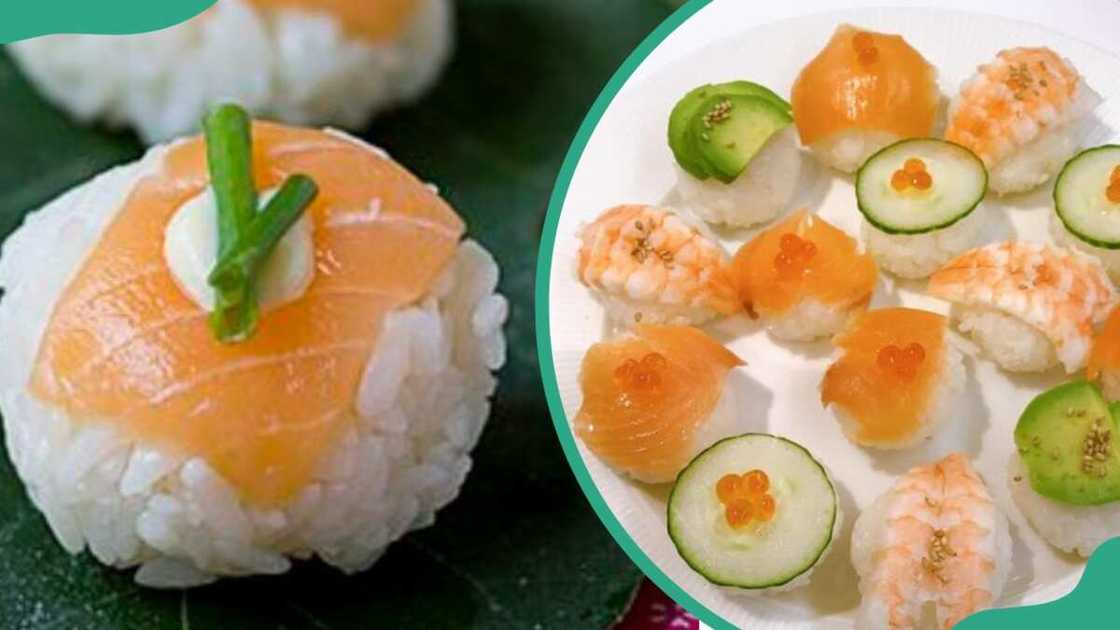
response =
{"points": [[418, 412]]}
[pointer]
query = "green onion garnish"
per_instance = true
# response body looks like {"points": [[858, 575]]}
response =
{"points": [[245, 237], [249, 253]]}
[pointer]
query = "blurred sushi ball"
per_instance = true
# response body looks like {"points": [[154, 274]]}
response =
{"points": [[397, 408], [319, 62]]}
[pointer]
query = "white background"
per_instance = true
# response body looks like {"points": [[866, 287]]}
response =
{"points": [[1093, 21]]}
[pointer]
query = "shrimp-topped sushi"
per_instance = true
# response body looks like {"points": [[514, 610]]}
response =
{"points": [[300, 61], [656, 266], [897, 380], [1028, 306], [654, 398], [265, 343], [737, 156], [1064, 474], [1087, 205], [1020, 114], [936, 538], [804, 277], [1104, 358], [755, 512], [862, 92], [919, 203]]}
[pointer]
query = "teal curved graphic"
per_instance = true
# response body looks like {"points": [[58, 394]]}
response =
{"points": [[21, 19], [1085, 607], [1076, 610]]}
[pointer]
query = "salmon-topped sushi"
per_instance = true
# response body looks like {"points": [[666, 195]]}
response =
{"points": [[654, 398], [654, 265], [936, 540], [1020, 114], [862, 92], [897, 379], [300, 61], [270, 342], [1029, 306], [804, 277]]}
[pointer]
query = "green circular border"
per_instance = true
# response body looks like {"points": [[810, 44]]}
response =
{"points": [[544, 343]]}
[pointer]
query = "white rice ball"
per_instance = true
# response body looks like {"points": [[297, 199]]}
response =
{"points": [[914, 256], [292, 65], [811, 319], [1013, 344], [1109, 258], [1032, 164], [847, 150], [418, 412], [761, 192], [1076, 529], [945, 405]]}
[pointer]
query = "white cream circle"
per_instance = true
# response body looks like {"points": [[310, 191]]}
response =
{"points": [[190, 249]]}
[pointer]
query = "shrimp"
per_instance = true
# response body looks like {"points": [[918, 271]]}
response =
{"points": [[1016, 294], [935, 537], [650, 265], [1012, 101]]}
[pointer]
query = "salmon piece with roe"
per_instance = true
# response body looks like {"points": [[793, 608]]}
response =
{"points": [[897, 379], [863, 91], [804, 277], [654, 398]]}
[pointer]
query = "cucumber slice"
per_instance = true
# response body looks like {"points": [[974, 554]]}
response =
{"points": [[1080, 201], [758, 555], [959, 184], [727, 145], [683, 144], [1066, 439]]}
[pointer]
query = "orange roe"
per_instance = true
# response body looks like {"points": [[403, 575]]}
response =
{"points": [[913, 166], [902, 362], [1115, 176], [1113, 191], [745, 497], [862, 41], [728, 488], [765, 508], [913, 173], [900, 181], [644, 374], [756, 481], [868, 56], [739, 512], [795, 254]]}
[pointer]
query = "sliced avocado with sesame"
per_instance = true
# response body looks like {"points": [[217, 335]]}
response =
{"points": [[683, 144], [731, 129], [1067, 439]]}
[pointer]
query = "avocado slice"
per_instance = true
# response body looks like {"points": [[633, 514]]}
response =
{"points": [[683, 144], [1067, 439], [730, 129]]}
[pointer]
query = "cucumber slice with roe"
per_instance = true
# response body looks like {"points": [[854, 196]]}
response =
{"points": [[1066, 437], [956, 182], [760, 553], [1081, 196], [683, 144]]}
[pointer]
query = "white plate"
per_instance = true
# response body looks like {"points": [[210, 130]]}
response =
{"points": [[627, 160]]}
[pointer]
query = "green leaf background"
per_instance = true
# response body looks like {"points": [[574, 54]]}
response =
{"points": [[520, 548]]}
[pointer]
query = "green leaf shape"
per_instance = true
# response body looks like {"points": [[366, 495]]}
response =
{"points": [[520, 547], [44, 17], [1086, 607]]}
